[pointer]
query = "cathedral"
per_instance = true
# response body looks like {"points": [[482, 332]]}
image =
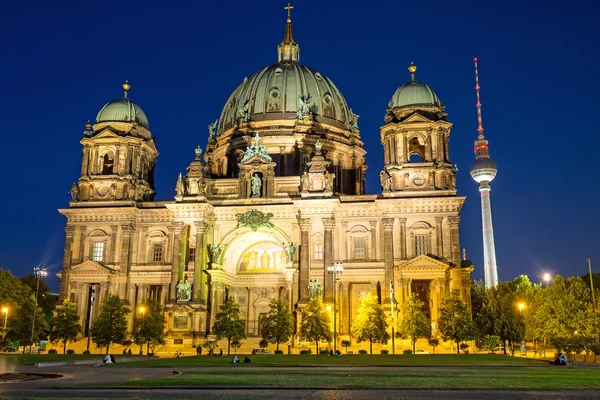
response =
{"points": [[273, 206]]}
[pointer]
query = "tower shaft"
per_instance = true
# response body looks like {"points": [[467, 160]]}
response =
{"points": [[489, 249]]}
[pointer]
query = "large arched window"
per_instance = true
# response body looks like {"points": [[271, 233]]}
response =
{"points": [[108, 163]]}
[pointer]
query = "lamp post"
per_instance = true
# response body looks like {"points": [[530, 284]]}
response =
{"points": [[521, 307], [5, 311], [39, 273], [334, 269], [589, 260], [393, 317], [141, 326]]}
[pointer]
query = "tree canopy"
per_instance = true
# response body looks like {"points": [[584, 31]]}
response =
{"points": [[149, 325], [111, 324], [455, 321], [65, 324], [315, 325], [414, 324], [228, 324], [278, 325], [370, 322]]}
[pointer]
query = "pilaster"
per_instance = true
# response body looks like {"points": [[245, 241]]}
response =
{"points": [[329, 225]]}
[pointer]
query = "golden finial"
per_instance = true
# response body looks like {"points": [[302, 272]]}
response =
{"points": [[126, 86], [412, 68], [289, 8]]}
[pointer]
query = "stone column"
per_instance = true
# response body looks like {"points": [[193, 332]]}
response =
{"points": [[200, 289], [428, 147], [404, 293], [344, 308], [163, 294], [305, 225], [446, 146], [434, 291], [454, 239], [439, 237], [373, 240], [388, 226], [329, 225], [175, 273], [125, 261], [344, 240], [82, 237], [84, 161], [67, 258], [143, 243], [113, 243], [405, 147], [403, 254]]}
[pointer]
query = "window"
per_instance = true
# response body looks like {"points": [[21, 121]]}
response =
{"points": [[421, 245], [107, 165], [192, 254], [319, 251], [157, 252], [98, 251], [359, 248]]}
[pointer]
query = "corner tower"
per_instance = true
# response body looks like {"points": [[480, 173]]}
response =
{"points": [[483, 171], [119, 155], [415, 143]]}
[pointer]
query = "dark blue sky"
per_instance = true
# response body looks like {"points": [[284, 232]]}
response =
{"points": [[61, 62]]}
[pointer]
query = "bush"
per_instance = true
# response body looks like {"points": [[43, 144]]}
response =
{"points": [[595, 348], [278, 351], [52, 351], [464, 347], [407, 351], [385, 352], [323, 351], [86, 352], [70, 351], [305, 351], [263, 344], [363, 352]]}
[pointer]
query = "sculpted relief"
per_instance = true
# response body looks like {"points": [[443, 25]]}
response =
{"points": [[263, 257]]}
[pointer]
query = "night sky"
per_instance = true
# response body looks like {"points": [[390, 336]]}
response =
{"points": [[538, 60]]}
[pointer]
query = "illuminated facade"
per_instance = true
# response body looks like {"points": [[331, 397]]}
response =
{"points": [[277, 196]]}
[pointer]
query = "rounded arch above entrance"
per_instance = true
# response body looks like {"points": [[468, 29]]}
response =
{"points": [[260, 251]]}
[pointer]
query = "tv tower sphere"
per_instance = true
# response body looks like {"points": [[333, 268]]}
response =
{"points": [[483, 169]]}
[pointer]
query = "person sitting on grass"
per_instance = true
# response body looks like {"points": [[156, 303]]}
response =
{"points": [[235, 359], [561, 359], [247, 360]]}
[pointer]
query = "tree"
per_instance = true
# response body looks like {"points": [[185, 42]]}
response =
{"points": [[65, 325], [20, 323], [278, 325], [14, 295], [315, 325], [228, 323], [46, 301], [263, 343], [370, 323], [346, 344], [111, 324], [455, 321], [236, 344], [414, 324], [210, 345], [433, 342], [149, 327], [490, 342]]}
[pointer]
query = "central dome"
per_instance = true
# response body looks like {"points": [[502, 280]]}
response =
{"points": [[278, 91]]}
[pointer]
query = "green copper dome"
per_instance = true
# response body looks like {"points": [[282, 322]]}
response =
{"points": [[414, 93], [122, 110]]}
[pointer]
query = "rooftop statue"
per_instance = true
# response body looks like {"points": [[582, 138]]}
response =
{"points": [[212, 129], [243, 112], [353, 122], [184, 291], [256, 149]]}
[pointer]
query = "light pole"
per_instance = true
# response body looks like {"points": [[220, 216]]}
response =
{"points": [[334, 269], [141, 326], [589, 260], [393, 317], [39, 273], [5, 311]]}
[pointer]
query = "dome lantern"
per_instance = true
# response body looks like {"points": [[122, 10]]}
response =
{"points": [[288, 50]]}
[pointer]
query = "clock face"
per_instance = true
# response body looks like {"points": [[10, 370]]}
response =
{"points": [[418, 180], [102, 191]]}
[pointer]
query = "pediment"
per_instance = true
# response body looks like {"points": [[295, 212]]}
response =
{"points": [[424, 262], [255, 159], [416, 117], [90, 267], [106, 133], [151, 145]]}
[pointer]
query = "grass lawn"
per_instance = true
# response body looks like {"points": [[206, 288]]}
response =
{"points": [[30, 359], [382, 360], [417, 378]]}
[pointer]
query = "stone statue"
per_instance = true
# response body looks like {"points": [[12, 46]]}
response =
{"points": [[212, 129], [304, 107], [75, 192], [201, 187], [216, 251], [318, 146], [256, 149], [256, 184], [353, 122], [179, 188], [198, 151], [314, 289], [243, 112], [329, 181], [305, 182], [184, 291], [290, 251]]}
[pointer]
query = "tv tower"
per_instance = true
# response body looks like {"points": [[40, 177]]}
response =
{"points": [[483, 171]]}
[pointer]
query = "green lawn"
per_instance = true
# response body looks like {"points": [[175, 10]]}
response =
{"points": [[30, 359], [425, 360], [417, 378]]}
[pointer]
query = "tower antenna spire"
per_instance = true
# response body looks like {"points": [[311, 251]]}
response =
{"points": [[477, 87]]}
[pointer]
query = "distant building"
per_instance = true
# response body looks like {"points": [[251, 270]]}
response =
{"points": [[276, 198]]}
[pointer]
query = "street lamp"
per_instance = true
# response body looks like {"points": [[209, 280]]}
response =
{"points": [[5, 311], [334, 269], [39, 273], [521, 307], [143, 311], [546, 278]]}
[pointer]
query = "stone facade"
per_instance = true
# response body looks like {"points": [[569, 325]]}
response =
{"points": [[273, 203]]}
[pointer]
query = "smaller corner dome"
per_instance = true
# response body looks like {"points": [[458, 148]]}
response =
{"points": [[122, 110], [414, 93]]}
